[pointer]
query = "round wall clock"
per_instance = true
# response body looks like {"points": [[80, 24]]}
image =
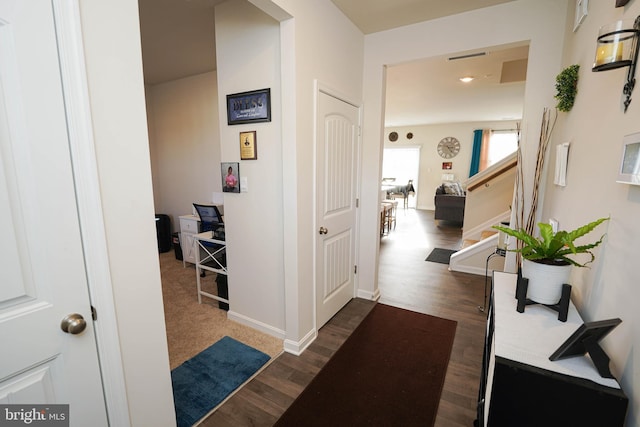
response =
{"points": [[448, 147], [393, 136]]}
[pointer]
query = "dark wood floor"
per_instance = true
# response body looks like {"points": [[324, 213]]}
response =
{"points": [[406, 280]]}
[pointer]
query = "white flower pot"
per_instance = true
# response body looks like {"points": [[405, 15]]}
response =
{"points": [[545, 281]]}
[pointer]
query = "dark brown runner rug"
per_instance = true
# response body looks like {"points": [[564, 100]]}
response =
{"points": [[389, 372]]}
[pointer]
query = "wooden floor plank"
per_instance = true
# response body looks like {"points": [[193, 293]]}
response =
{"points": [[406, 280]]}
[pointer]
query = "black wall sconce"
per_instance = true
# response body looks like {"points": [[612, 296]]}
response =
{"points": [[618, 47]]}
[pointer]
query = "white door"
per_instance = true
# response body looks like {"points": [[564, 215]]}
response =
{"points": [[336, 160], [42, 270]]}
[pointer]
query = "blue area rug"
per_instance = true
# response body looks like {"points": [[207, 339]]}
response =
{"points": [[201, 383]]}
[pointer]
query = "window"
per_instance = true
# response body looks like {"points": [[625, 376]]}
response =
{"points": [[501, 144], [402, 164]]}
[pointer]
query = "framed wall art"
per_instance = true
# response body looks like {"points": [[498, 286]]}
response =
{"points": [[582, 8], [230, 172], [248, 147], [249, 107]]}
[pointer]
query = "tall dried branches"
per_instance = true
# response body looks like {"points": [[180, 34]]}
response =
{"points": [[548, 122]]}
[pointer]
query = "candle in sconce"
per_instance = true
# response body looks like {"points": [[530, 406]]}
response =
{"points": [[608, 53]]}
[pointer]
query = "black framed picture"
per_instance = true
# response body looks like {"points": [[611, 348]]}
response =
{"points": [[585, 340], [230, 172], [249, 107]]}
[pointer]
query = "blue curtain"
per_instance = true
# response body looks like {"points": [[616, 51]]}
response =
{"points": [[477, 150]]}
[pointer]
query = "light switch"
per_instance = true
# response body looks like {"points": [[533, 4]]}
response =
{"points": [[244, 184]]}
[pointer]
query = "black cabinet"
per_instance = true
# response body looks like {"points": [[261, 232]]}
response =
{"points": [[521, 387]]}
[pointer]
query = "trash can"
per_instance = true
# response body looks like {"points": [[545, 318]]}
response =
{"points": [[163, 232], [175, 237]]}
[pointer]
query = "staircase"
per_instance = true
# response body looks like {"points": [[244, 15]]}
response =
{"points": [[489, 197], [474, 255], [484, 235]]}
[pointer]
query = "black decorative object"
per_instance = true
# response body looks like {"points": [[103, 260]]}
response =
{"points": [[249, 107], [393, 136], [585, 340], [618, 47], [498, 252], [562, 307]]}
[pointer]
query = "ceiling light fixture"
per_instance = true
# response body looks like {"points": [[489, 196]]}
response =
{"points": [[466, 79]]}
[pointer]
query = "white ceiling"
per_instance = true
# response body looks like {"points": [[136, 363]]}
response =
{"points": [[430, 92], [372, 16], [178, 40]]}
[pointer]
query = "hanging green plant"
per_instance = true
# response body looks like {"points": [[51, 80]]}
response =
{"points": [[567, 87]]}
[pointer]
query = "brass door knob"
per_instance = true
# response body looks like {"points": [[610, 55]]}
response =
{"points": [[323, 230]]}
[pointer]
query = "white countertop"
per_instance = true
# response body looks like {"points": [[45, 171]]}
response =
{"points": [[531, 337]]}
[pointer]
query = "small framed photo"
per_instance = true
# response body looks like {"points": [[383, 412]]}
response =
{"points": [[582, 8], [447, 166], [249, 107], [230, 177], [248, 147]]}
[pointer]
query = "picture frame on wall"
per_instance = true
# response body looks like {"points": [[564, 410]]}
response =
{"points": [[582, 8], [249, 107], [248, 147], [230, 172], [447, 166]]}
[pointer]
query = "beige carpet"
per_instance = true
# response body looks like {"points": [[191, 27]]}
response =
{"points": [[192, 327]]}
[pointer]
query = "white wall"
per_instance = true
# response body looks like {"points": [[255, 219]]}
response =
{"points": [[114, 70], [318, 43], [185, 143], [427, 137], [248, 57], [595, 128], [539, 21]]}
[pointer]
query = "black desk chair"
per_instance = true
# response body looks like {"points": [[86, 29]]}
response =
{"points": [[210, 217]]}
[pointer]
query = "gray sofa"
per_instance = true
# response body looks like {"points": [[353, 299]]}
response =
{"points": [[449, 202]]}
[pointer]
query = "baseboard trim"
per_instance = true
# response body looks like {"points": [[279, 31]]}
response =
{"points": [[255, 324], [297, 347], [372, 296]]}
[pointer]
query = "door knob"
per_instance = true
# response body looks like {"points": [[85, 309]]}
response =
{"points": [[323, 230], [73, 324]]}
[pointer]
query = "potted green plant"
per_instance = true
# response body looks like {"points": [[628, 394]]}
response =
{"points": [[546, 262]]}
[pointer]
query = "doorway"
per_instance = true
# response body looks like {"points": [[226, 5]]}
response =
{"points": [[336, 166], [400, 165], [184, 141]]}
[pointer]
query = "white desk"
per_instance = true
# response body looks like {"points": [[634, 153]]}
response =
{"points": [[189, 227], [209, 259]]}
